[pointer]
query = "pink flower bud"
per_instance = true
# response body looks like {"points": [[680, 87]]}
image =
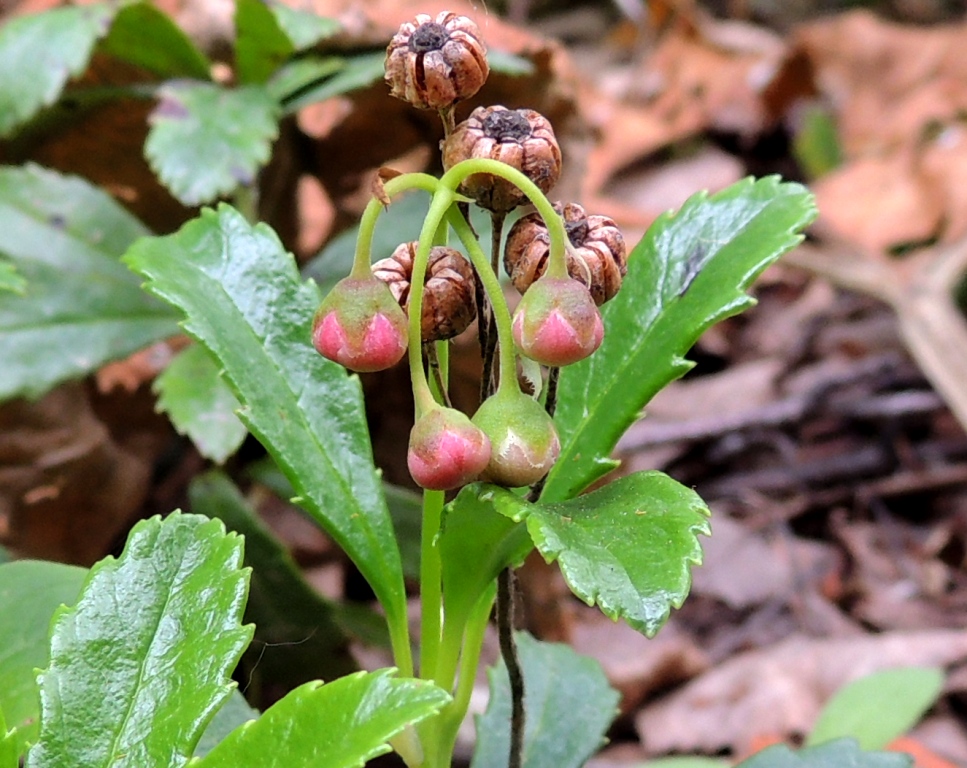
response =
{"points": [[446, 450], [557, 322]]}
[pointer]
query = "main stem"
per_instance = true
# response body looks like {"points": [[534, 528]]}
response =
{"points": [[506, 583]]}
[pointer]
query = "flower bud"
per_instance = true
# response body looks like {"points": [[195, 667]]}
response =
{"points": [[598, 257], [360, 325], [433, 64], [446, 450], [521, 138], [449, 303], [523, 440], [557, 322]]}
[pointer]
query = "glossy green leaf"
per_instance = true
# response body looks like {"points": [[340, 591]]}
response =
{"points": [[200, 404], [303, 27], [11, 280], [844, 753], [205, 140], [298, 635], [476, 544], [261, 46], [39, 53], [338, 725], [626, 547], [360, 71], [244, 300], [690, 271], [568, 706], [878, 708], [30, 592], [233, 713], [140, 665], [82, 306], [147, 37]]}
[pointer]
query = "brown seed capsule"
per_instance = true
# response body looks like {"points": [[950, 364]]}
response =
{"points": [[448, 297], [433, 64], [598, 258], [521, 138]]}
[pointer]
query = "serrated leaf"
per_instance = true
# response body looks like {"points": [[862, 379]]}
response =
{"points": [[626, 547], [200, 404], [145, 36], [39, 53], [140, 665], [476, 544], [261, 46], [298, 634], [844, 753], [206, 140], [233, 713], [568, 706], [360, 71], [303, 27], [11, 280], [82, 306], [878, 708], [690, 271], [244, 300], [341, 724], [30, 592]]}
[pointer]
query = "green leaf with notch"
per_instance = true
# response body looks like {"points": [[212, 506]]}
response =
{"points": [[205, 140], [690, 271], [568, 707], [39, 53], [82, 307], [244, 300], [878, 708], [626, 547], [360, 713], [140, 665], [11, 280], [844, 753], [298, 634], [200, 404], [146, 37], [233, 714], [30, 592]]}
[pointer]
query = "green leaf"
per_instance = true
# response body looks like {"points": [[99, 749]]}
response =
{"points": [[82, 307], [233, 713], [338, 725], [140, 665], [690, 271], [145, 36], [844, 753], [261, 46], [300, 74], [509, 63], [686, 762], [303, 27], [30, 592], [11, 280], [245, 301], [298, 636], [476, 544], [200, 404], [360, 71], [9, 745], [816, 145], [878, 708], [626, 547], [568, 707], [205, 140], [40, 53]]}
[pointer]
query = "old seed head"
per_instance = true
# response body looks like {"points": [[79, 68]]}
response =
{"points": [[434, 63], [598, 257], [449, 305], [521, 138]]}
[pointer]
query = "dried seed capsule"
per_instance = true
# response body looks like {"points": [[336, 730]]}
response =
{"points": [[598, 258], [448, 296], [433, 64], [521, 138]]}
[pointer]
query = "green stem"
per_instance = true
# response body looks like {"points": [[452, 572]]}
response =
{"points": [[431, 588]]}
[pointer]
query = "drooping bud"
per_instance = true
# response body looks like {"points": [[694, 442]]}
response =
{"points": [[446, 450], [449, 304], [557, 322], [523, 440], [360, 325], [598, 257], [521, 138], [434, 63]]}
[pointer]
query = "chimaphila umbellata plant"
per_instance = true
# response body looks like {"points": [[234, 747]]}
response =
{"points": [[597, 332]]}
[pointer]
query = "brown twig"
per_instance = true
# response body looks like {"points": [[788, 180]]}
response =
{"points": [[506, 589]]}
